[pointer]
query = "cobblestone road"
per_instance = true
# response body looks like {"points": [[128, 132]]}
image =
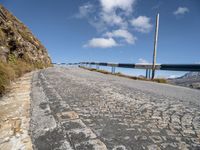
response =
{"points": [[77, 109]]}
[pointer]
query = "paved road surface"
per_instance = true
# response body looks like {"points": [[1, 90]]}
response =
{"points": [[73, 108]]}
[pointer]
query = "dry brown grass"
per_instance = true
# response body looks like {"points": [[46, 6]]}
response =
{"points": [[12, 70], [2, 36], [39, 65], [7, 74], [15, 68], [158, 80], [20, 67]]}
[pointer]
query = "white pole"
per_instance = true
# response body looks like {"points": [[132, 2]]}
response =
{"points": [[155, 46]]}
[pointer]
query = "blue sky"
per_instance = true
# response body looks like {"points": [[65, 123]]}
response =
{"points": [[113, 30]]}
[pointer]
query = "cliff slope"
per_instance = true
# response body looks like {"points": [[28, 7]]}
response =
{"points": [[20, 51], [17, 39]]}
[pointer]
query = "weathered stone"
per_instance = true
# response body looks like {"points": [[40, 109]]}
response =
{"points": [[81, 135], [91, 144], [17, 39], [15, 108], [71, 115]]}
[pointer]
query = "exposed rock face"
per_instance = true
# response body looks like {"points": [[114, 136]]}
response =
{"points": [[17, 39], [195, 75], [191, 79]]}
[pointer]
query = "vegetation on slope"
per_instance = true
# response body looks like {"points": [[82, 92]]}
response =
{"points": [[20, 51], [159, 80], [13, 69]]}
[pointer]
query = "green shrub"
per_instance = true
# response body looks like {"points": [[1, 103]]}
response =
{"points": [[12, 58]]}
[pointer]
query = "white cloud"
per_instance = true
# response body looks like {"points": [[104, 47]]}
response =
{"points": [[111, 5], [110, 11], [111, 14], [98, 25], [129, 38], [143, 61], [101, 43], [112, 19], [181, 11], [142, 24], [101, 19], [85, 10]]}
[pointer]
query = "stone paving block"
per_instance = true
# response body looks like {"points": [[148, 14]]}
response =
{"points": [[167, 145], [140, 137], [81, 135], [153, 147], [65, 146], [120, 147], [156, 139], [69, 115], [73, 124], [95, 144]]}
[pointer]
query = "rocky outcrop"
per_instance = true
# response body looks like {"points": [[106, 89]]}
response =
{"points": [[191, 79], [17, 41]]}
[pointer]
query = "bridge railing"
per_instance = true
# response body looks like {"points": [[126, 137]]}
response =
{"points": [[148, 67]]}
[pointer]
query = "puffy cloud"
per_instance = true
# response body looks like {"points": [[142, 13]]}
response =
{"points": [[142, 24], [113, 14], [101, 43], [111, 5], [99, 18], [109, 13], [109, 40], [121, 33], [181, 11], [143, 61]]}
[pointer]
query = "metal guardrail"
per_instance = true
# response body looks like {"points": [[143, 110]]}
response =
{"points": [[181, 67], [172, 67], [147, 67]]}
